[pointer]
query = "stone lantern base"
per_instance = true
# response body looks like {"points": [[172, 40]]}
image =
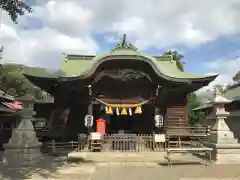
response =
{"points": [[226, 149], [226, 153], [20, 155], [23, 147]]}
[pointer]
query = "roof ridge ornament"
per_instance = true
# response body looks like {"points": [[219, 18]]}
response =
{"points": [[124, 45]]}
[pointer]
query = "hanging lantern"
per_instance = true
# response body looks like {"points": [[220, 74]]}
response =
{"points": [[130, 111], [117, 111], [138, 110], [124, 111], [109, 110], [158, 120]]}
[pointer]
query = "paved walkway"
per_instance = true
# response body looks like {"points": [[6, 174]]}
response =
{"points": [[125, 171], [155, 172], [58, 168]]}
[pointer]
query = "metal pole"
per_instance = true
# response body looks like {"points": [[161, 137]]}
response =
{"points": [[90, 109]]}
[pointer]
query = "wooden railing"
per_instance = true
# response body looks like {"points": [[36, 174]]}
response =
{"points": [[57, 147], [131, 142], [187, 131], [175, 137]]}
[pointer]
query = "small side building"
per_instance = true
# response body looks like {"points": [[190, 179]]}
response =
{"points": [[8, 119]]}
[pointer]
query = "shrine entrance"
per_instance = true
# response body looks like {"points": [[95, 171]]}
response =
{"points": [[126, 97], [136, 123]]}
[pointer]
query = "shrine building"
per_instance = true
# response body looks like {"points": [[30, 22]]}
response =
{"points": [[125, 87]]}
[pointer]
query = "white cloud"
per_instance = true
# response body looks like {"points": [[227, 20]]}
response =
{"points": [[58, 26], [225, 68], [42, 46]]}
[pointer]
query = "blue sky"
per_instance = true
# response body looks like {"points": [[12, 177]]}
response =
{"points": [[223, 48], [206, 32]]}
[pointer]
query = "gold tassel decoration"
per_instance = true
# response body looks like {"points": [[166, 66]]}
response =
{"points": [[124, 111], [138, 110], [109, 110]]}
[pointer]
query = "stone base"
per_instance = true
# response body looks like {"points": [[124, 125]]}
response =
{"points": [[228, 159], [226, 153], [18, 156]]}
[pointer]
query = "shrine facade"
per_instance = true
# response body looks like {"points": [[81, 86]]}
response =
{"points": [[132, 91]]}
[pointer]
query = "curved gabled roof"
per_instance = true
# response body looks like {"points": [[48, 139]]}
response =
{"points": [[84, 66], [81, 67]]}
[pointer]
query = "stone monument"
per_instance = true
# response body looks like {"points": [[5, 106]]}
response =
{"points": [[226, 147], [23, 147]]}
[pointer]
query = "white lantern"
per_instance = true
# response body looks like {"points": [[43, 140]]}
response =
{"points": [[88, 120], [158, 120]]}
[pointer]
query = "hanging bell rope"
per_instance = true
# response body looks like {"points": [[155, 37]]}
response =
{"points": [[123, 105]]}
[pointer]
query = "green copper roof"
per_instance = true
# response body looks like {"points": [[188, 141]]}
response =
{"points": [[84, 66], [81, 66], [78, 67], [233, 93]]}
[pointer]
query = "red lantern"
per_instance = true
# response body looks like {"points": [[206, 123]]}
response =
{"points": [[101, 126]]}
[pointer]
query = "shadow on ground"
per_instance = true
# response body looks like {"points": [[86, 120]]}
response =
{"points": [[184, 162], [46, 168], [180, 163]]}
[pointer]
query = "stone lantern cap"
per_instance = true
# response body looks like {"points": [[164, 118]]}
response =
{"points": [[219, 97], [26, 98]]}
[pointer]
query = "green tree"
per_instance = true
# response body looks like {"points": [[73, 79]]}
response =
{"points": [[193, 116], [15, 8], [236, 78], [177, 57], [15, 83]]}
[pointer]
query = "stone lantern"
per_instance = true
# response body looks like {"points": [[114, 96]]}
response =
{"points": [[226, 147], [23, 147]]}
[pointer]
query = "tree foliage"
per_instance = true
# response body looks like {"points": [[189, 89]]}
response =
{"points": [[14, 83], [177, 57], [193, 116], [236, 78], [15, 8]]}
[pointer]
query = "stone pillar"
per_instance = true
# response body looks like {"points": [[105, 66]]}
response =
{"points": [[226, 147], [23, 147]]}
